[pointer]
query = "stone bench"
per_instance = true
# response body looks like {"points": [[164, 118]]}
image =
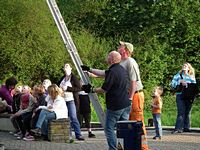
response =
{"points": [[5, 123], [59, 131]]}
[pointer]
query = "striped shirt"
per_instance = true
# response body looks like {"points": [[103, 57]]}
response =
{"points": [[187, 78]]}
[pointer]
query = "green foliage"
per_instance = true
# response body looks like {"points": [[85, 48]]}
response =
{"points": [[30, 45], [165, 34]]}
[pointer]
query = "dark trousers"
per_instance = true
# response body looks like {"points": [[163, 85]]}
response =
{"points": [[24, 122], [87, 118], [35, 119]]}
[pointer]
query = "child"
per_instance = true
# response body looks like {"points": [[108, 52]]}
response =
{"points": [[16, 108], [46, 83], [23, 116], [85, 112], [156, 111]]}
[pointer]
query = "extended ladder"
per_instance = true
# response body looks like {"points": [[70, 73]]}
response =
{"points": [[69, 44]]}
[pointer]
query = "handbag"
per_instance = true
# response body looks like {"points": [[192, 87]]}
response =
{"points": [[190, 91]]}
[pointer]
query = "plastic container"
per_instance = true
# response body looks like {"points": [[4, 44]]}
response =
{"points": [[129, 135]]}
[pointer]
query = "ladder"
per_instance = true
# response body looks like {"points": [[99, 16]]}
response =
{"points": [[69, 44]]}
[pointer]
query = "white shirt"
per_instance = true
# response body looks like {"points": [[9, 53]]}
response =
{"points": [[59, 106], [68, 96]]}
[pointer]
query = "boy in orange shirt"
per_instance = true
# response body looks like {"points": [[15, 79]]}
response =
{"points": [[156, 107]]}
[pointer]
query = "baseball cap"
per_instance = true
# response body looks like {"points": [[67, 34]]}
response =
{"points": [[129, 46]]}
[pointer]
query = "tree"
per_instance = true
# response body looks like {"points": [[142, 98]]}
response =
{"points": [[31, 48]]}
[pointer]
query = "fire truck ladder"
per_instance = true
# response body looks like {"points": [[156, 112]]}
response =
{"points": [[69, 44]]}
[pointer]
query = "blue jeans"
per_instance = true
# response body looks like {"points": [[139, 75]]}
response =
{"points": [[183, 115], [44, 117], [73, 118], [111, 120], [157, 124]]}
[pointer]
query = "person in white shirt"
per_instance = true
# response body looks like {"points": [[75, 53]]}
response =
{"points": [[55, 109], [70, 85]]}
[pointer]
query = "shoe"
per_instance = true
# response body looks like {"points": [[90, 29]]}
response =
{"points": [[157, 138], [80, 138], [20, 137], [154, 137], [186, 130], [176, 131], [17, 134], [91, 135], [14, 132], [29, 138], [37, 131]]}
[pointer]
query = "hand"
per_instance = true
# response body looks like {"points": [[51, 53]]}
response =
{"points": [[50, 107], [17, 114], [85, 68], [37, 109], [183, 82], [33, 115], [87, 88]]}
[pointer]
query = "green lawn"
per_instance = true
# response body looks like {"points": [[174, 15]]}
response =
{"points": [[169, 115]]}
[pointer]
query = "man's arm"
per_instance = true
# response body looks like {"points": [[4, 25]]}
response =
{"points": [[132, 89], [93, 72], [98, 72]]}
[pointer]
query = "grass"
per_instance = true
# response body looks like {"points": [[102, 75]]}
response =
{"points": [[169, 115]]}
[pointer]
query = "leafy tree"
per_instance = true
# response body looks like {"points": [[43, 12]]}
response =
{"points": [[31, 48], [160, 31]]}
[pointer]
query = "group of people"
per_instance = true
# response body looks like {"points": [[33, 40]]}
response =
{"points": [[124, 99], [32, 109], [124, 92]]}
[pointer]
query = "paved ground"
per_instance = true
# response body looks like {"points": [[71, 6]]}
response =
{"points": [[183, 141]]}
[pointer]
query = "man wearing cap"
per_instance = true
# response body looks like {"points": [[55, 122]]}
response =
{"points": [[136, 94]]}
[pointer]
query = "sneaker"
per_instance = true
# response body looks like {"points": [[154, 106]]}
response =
{"points": [[186, 130], [17, 134], [80, 138], [14, 132], [29, 138], [20, 137], [154, 137], [91, 135], [157, 138], [176, 131], [37, 131]]}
